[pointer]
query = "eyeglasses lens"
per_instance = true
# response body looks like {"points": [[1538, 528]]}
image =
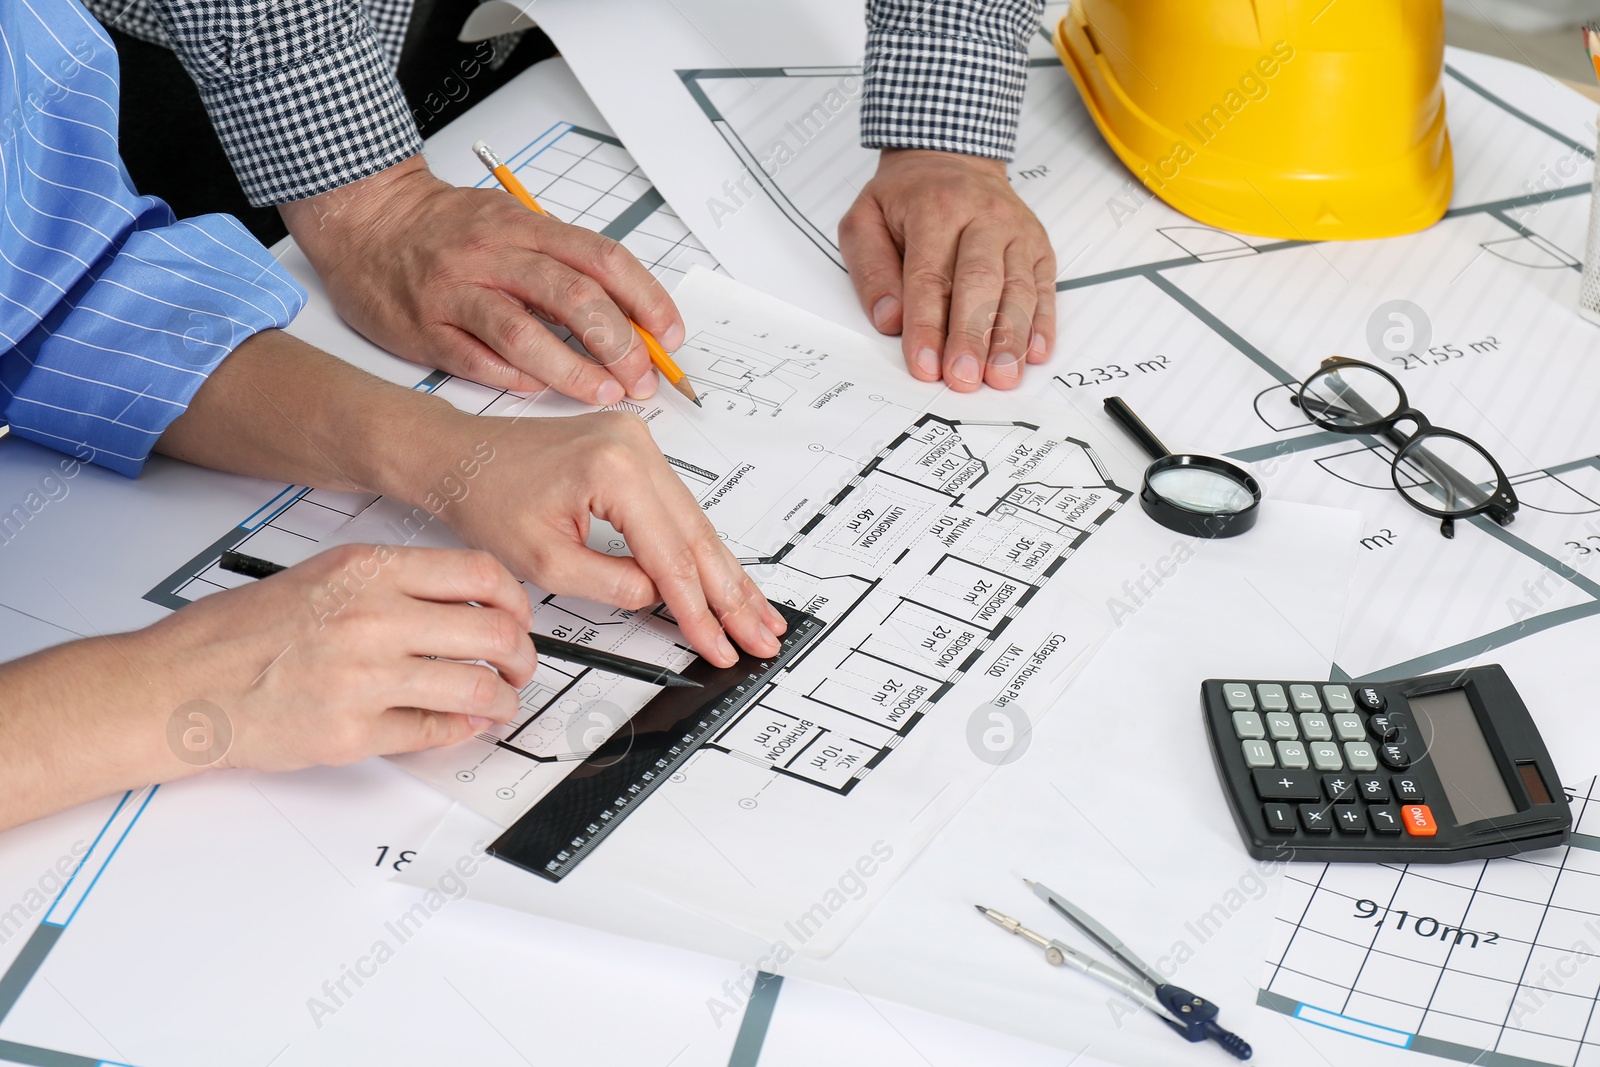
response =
{"points": [[1349, 396], [1445, 473]]}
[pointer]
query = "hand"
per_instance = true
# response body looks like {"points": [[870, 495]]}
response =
{"points": [[944, 253], [328, 662], [531, 500], [442, 276], [524, 488]]}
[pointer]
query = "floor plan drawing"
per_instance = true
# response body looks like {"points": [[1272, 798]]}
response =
{"points": [[992, 555], [1188, 323], [746, 379], [933, 545]]}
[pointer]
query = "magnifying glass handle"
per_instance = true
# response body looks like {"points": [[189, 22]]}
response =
{"points": [[1118, 409]]}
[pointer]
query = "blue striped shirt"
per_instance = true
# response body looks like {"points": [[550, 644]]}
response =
{"points": [[112, 312]]}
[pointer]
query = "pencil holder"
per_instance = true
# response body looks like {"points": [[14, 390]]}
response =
{"points": [[1589, 288]]}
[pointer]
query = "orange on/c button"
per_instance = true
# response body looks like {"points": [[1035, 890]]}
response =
{"points": [[1419, 820]]}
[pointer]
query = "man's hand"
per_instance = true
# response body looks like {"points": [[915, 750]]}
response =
{"points": [[944, 253], [444, 276], [531, 505]]}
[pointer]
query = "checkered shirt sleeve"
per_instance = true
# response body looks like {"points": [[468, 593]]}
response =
{"points": [[301, 92], [946, 74], [389, 20]]}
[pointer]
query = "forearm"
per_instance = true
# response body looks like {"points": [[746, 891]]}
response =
{"points": [[80, 721], [282, 410], [336, 224]]}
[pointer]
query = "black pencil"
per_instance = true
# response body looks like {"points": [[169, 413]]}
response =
{"points": [[583, 655]]}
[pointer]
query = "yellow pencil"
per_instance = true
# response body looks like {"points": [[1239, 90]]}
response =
{"points": [[1591, 39], [658, 355]]}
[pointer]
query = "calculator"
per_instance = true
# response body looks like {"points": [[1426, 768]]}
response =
{"points": [[1433, 769]]}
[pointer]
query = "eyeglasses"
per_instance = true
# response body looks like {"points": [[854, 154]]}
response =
{"points": [[1439, 472]]}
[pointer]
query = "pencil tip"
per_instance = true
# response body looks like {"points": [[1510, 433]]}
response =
{"points": [[686, 388]]}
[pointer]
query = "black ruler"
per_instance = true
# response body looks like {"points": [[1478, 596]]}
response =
{"points": [[567, 824]]}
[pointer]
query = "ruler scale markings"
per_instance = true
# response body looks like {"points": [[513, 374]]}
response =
{"points": [[553, 837]]}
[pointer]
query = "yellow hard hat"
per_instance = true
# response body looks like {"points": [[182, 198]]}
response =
{"points": [[1297, 119]]}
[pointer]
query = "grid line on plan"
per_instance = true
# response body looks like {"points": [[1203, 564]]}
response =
{"points": [[1278, 966], [1445, 965], [1468, 1008], [1505, 1022], [1367, 956]]}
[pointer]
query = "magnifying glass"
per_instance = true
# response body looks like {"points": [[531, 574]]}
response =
{"points": [[1196, 495]]}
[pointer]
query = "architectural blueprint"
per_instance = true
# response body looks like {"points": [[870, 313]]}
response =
{"points": [[1490, 962], [501, 986], [1206, 332], [934, 545]]}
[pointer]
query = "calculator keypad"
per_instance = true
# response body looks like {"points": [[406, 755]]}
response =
{"points": [[1280, 724], [1292, 754], [1325, 756], [1247, 726], [1349, 819], [1418, 820], [1272, 697], [1339, 787], [1394, 755], [1349, 727], [1328, 760], [1280, 818], [1238, 696], [1316, 819], [1407, 790], [1373, 790], [1257, 754], [1285, 785], [1333, 740], [1359, 753], [1305, 698], [1385, 818]]}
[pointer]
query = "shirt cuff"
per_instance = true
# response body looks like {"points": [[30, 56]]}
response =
{"points": [[336, 118], [107, 372], [945, 93]]}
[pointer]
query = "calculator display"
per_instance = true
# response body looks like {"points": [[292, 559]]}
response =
{"points": [[1467, 769]]}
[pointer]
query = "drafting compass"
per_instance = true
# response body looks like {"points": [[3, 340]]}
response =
{"points": [[1193, 1017]]}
